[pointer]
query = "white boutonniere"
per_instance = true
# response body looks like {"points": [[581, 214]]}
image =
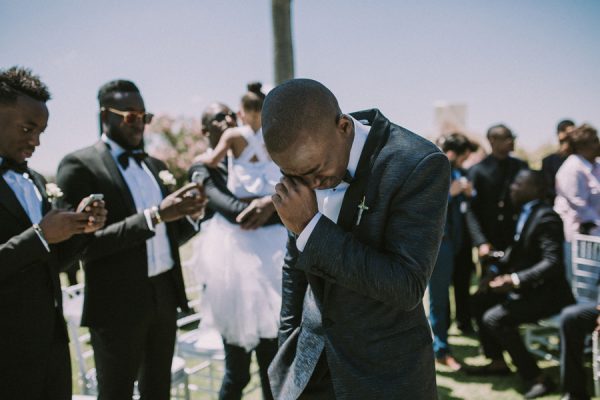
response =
{"points": [[167, 178], [53, 191]]}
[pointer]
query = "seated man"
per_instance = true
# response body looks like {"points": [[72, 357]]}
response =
{"points": [[530, 286], [576, 322]]}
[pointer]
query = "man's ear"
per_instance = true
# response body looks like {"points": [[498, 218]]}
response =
{"points": [[345, 124]]}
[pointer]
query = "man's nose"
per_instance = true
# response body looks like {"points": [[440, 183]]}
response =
{"points": [[34, 140]]}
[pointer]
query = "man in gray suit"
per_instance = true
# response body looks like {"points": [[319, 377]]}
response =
{"points": [[364, 201]]}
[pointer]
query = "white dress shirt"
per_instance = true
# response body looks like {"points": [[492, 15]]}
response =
{"points": [[146, 194], [329, 201], [578, 194], [28, 195]]}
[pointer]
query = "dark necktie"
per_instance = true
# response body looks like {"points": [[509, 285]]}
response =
{"points": [[11, 165], [137, 155]]}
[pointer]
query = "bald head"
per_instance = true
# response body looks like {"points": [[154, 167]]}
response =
{"points": [[297, 108]]}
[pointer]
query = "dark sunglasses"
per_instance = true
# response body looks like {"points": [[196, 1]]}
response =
{"points": [[220, 117], [130, 117]]}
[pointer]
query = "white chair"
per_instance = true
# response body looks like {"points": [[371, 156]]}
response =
{"points": [[84, 354], [585, 266]]}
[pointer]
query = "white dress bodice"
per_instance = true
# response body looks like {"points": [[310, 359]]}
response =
{"points": [[248, 178]]}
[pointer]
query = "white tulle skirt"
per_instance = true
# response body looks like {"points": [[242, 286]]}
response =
{"points": [[242, 273]]}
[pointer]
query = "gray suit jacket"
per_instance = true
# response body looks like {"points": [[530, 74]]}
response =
{"points": [[356, 291]]}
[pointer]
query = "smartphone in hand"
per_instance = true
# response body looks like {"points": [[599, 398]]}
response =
{"points": [[90, 200]]}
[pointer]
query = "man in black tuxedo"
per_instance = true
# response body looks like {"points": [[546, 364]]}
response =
{"points": [[34, 245], [216, 119], [133, 289], [365, 202], [552, 163], [531, 285], [492, 216]]}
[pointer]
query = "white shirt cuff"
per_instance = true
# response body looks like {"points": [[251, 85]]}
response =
{"points": [[305, 234], [515, 280], [149, 220], [195, 223]]}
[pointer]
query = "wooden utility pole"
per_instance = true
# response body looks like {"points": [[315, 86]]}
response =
{"points": [[282, 34]]}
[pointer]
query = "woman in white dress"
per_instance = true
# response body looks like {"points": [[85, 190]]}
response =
{"points": [[242, 267]]}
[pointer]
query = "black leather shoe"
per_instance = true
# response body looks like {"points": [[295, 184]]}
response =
{"points": [[539, 389]]}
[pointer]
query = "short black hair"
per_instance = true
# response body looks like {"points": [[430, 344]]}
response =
{"points": [[456, 142], [18, 80], [537, 179], [499, 129], [108, 90], [295, 106], [563, 125]]}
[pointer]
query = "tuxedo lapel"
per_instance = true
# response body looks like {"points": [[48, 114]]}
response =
{"points": [[10, 201], [114, 175], [154, 169], [378, 134]]}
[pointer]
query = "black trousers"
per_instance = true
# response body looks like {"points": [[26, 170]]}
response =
{"points": [[142, 351], [237, 369], [461, 280], [577, 321], [498, 318], [45, 375]]}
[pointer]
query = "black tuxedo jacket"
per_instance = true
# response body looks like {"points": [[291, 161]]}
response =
{"points": [[220, 198], [492, 217], [369, 279], [537, 257], [117, 287], [30, 293], [550, 166]]}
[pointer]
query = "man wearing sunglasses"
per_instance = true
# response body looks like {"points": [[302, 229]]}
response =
{"points": [[133, 289]]}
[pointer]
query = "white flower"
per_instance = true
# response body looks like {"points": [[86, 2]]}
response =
{"points": [[167, 178], [53, 191]]}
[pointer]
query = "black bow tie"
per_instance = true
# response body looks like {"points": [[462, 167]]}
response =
{"points": [[137, 155], [8, 164]]}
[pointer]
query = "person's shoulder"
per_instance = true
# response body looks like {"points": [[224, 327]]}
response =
{"points": [[546, 214], [550, 158], [482, 165], [84, 154], [521, 163], [410, 146]]}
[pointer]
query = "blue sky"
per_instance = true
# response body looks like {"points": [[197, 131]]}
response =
{"points": [[526, 63]]}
